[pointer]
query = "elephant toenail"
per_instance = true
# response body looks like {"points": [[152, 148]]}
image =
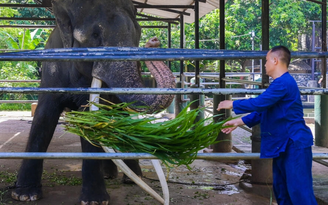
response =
{"points": [[34, 197], [14, 195], [24, 198]]}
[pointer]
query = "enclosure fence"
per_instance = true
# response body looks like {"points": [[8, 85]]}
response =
{"points": [[142, 54]]}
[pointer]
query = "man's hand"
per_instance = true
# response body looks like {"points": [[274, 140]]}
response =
{"points": [[153, 43], [226, 104], [232, 125]]}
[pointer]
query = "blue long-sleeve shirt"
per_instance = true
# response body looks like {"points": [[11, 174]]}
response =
{"points": [[279, 110]]}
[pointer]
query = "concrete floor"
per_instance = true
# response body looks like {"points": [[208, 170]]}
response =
{"points": [[62, 177]]}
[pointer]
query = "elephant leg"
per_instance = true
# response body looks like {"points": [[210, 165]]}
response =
{"points": [[133, 164], [109, 169], [93, 186], [28, 184]]}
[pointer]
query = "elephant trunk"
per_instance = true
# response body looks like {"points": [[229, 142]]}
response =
{"points": [[126, 75]]}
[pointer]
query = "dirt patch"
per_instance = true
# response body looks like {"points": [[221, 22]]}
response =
{"points": [[208, 182]]}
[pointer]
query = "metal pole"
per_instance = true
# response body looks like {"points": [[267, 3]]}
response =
{"points": [[197, 83], [324, 42], [252, 38], [169, 39], [262, 169], [182, 41], [105, 156], [226, 141], [321, 102], [170, 109], [265, 37], [154, 91], [313, 48], [179, 99], [141, 54]]}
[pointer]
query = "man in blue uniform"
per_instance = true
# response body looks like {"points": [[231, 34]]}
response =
{"points": [[285, 136]]}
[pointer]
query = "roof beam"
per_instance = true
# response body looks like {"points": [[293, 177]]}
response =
{"points": [[154, 26], [151, 18], [315, 1], [148, 6], [171, 20], [163, 9]]}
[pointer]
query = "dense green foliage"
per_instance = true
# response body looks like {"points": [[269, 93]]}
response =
{"points": [[119, 127], [18, 38]]}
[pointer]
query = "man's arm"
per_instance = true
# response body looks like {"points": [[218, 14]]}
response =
{"points": [[226, 104], [274, 93], [232, 125], [250, 120]]}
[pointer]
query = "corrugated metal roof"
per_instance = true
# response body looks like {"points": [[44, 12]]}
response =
{"points": [[204, 8]]}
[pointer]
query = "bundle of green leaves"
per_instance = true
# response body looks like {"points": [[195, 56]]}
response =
{"points": [[175, 141]]}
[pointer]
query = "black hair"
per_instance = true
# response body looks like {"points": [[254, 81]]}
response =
{"points": [[283, 53]]}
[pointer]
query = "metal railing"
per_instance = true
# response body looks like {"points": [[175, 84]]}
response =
{"points": [[132, 54], [102, 156]]}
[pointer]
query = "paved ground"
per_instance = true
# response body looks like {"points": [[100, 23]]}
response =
{"points": [[209, 182]]}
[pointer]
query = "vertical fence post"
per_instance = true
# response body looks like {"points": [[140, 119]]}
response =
{"points": [[198, 101], [321, 101], [225, 144], [262, 169], [180, 101]]}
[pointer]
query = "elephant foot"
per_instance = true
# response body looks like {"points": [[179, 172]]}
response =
{"points": [[110, 173], [127, 180], [135, 167], [109, 169], [110, 176], [95, 203], [27, 193], [94, 197]]}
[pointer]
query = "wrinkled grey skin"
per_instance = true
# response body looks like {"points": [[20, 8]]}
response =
{"points": [[87, 23]]}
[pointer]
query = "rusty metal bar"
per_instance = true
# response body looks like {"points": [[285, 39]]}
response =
{"points": [[152, 91], [243, 81]]}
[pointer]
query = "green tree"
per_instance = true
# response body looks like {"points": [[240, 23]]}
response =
{"points": [[17, 38], [288, 20]]}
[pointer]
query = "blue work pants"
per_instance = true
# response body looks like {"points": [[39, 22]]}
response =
{"points": [[292, 176]]}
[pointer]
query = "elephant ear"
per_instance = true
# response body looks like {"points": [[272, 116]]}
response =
{"points": [[60, 9]]}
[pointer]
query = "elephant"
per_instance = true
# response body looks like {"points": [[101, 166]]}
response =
{"points": [[88, 23]]}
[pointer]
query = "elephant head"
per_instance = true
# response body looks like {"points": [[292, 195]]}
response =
{"points": [[98, 23]]}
